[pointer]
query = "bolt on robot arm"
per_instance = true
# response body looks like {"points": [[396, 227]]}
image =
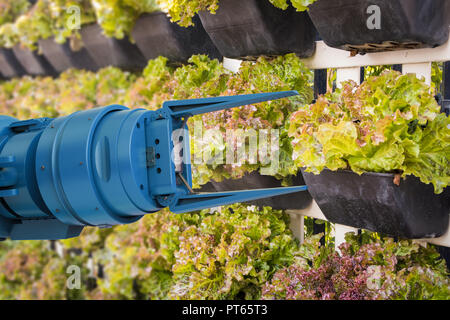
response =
{"points": [[103, 167]]}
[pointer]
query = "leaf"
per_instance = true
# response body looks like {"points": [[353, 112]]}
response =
{"points": [[389, 123]]}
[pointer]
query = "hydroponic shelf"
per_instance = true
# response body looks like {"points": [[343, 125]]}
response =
{"points": [[417, 61]]}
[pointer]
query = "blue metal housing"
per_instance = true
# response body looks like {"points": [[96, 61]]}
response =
{"points": [[103, 167]]}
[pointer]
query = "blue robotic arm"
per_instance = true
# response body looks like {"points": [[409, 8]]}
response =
{"points": [[105, 166]]}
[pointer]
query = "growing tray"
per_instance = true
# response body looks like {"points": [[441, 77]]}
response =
{"points": [[108, 51], [9, 65], [62, 57], [250, 28], [254, 180], [372, 201], [404, 24], [34, 64], [156, 36]]}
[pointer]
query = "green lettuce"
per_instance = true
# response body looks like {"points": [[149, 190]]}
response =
{"points": [[228, 252], [32, 270], [117, 17], [368, 267], [25, 25], [182, 11], [390, 123]]}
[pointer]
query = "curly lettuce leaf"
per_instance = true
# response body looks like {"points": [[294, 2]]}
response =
{"points": [[300, 5], [390, 123]]}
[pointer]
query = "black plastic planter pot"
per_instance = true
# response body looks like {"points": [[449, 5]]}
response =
{"points": [[156, 36], [250, 28], [110, 51], [61, 56], [9, 65], [254, 180], [381, 25], [372, 201], [34, 64]]}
